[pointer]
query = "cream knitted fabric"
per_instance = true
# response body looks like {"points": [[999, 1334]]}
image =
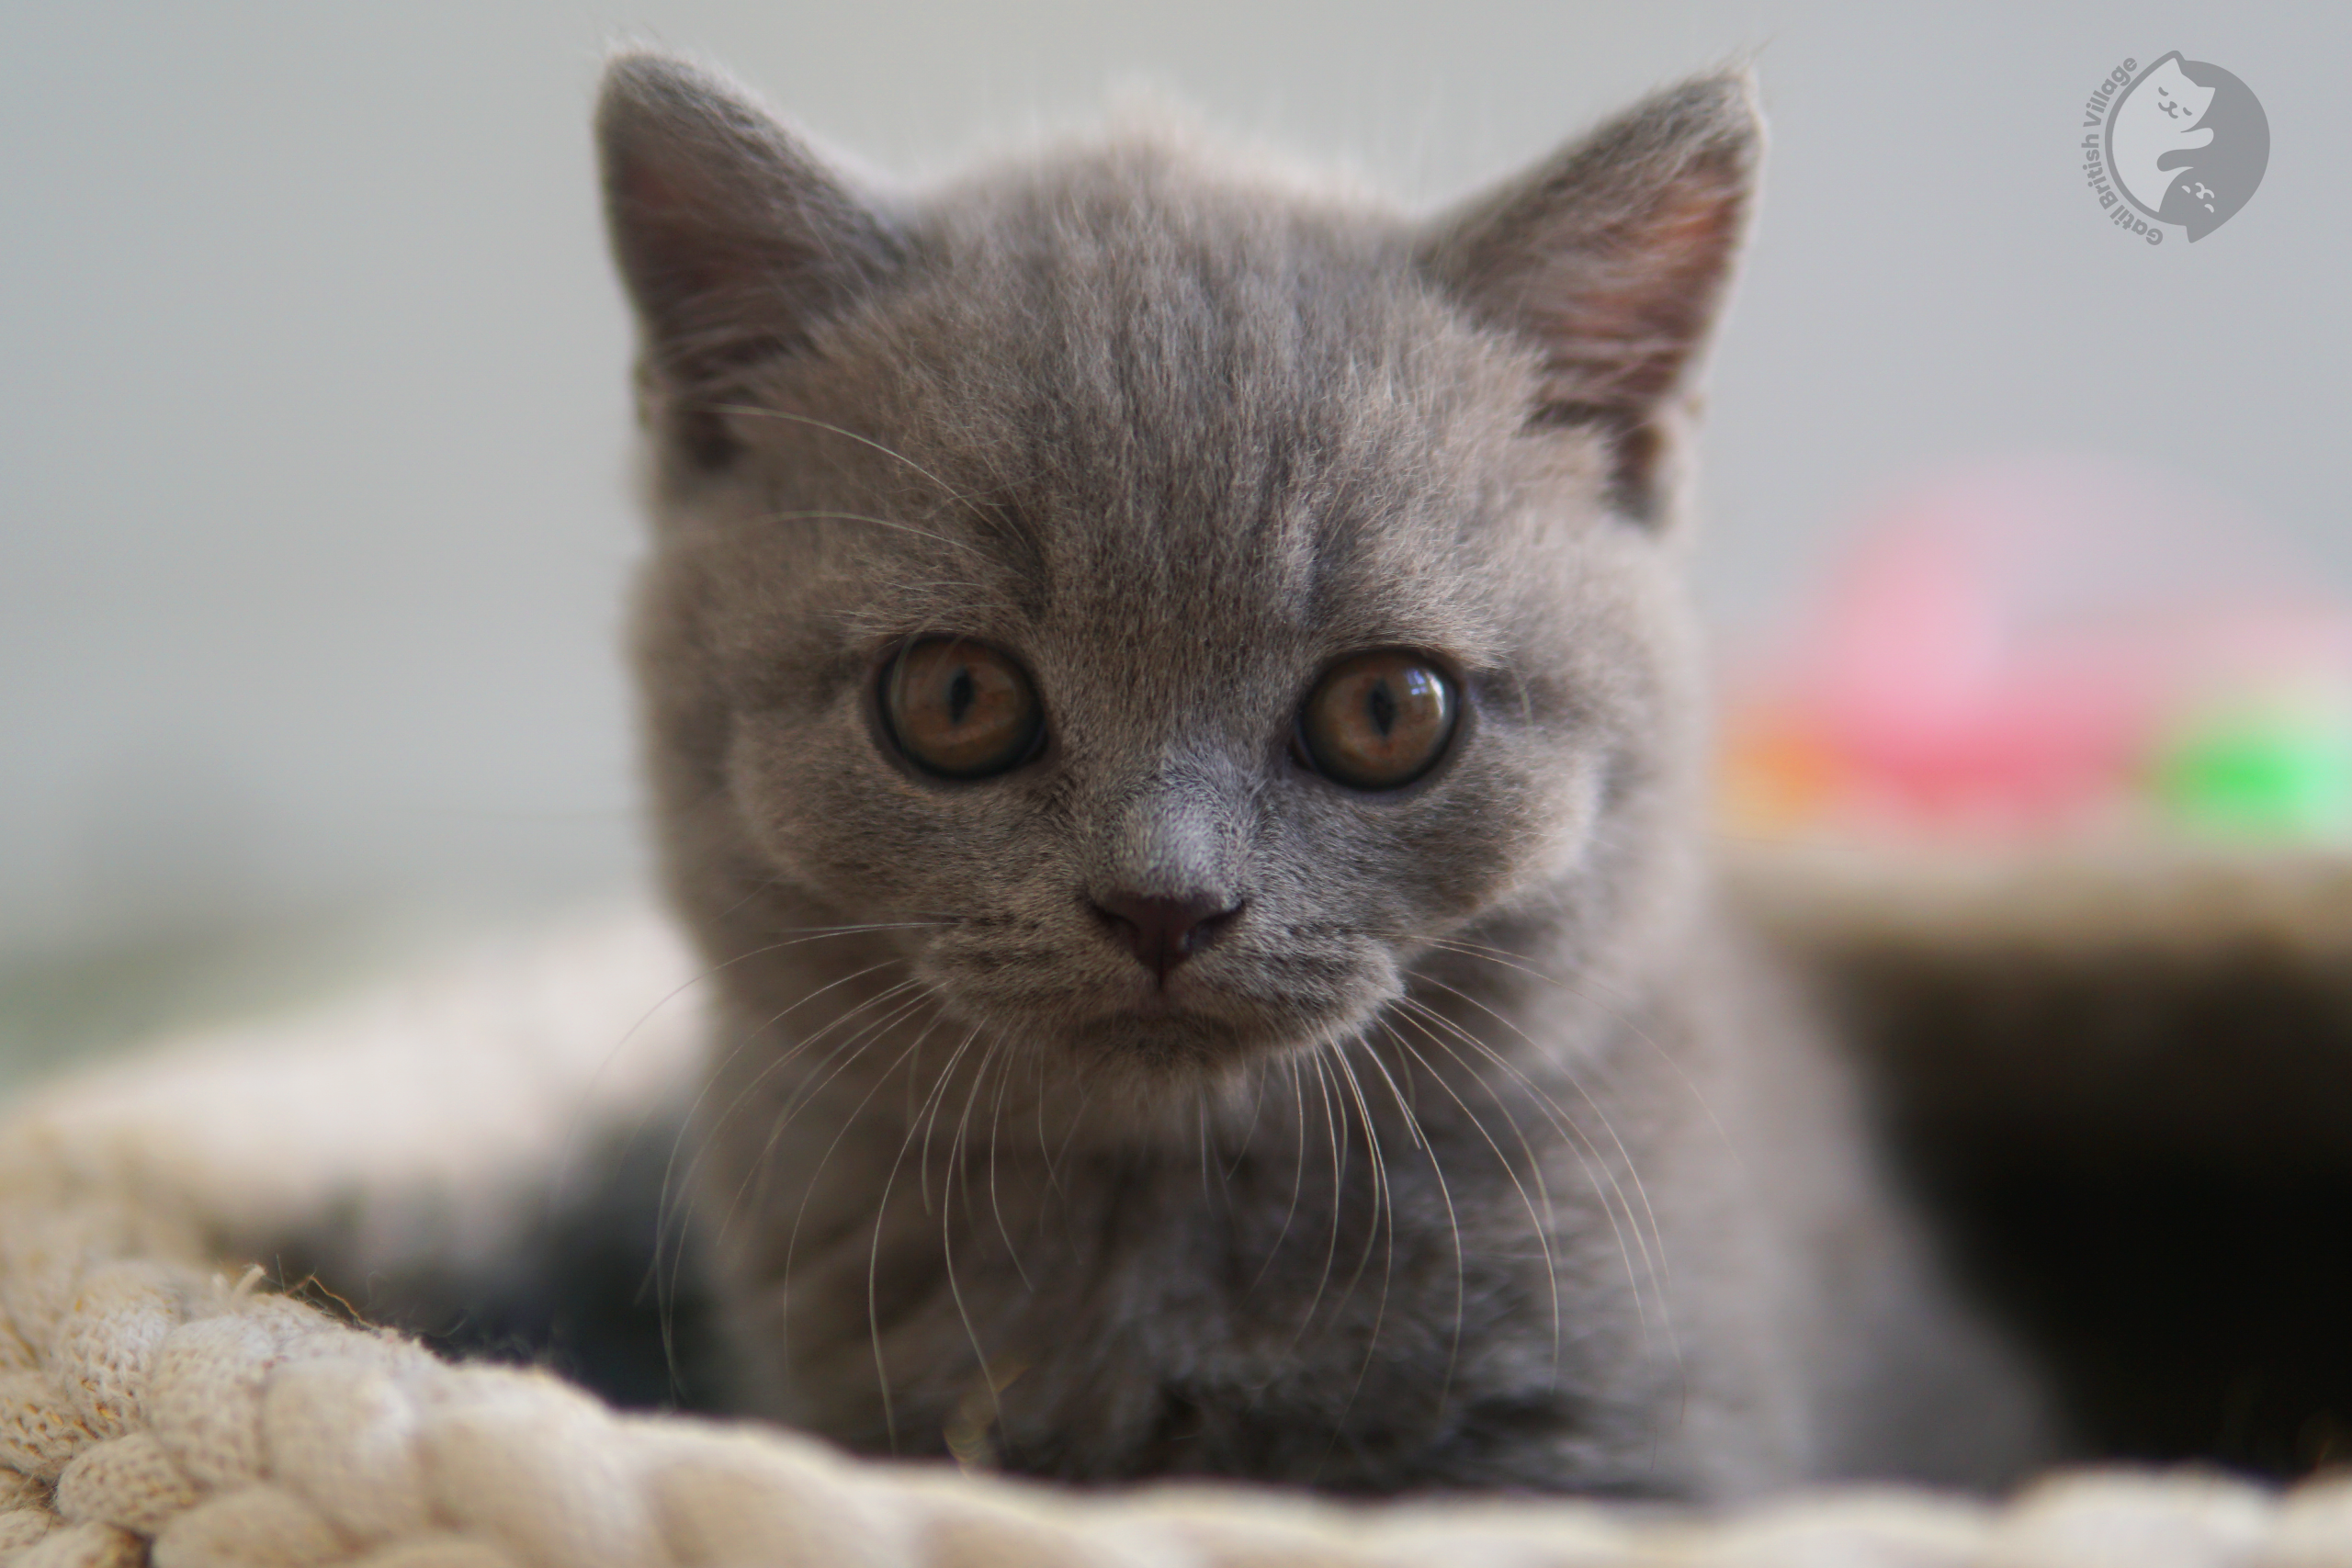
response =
{"points": [[153, 1409]]}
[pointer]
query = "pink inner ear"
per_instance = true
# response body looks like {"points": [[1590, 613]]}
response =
{"points": [[732, 239], [668, 214], [1630, 304], [715, 292], [648, 194]]}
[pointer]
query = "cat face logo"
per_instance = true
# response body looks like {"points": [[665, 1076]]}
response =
{"points": [[2187, 142]]}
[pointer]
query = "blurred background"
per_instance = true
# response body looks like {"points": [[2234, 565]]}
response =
{"points": [[315, 443]]}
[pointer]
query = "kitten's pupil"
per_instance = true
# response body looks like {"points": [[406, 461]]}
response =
{"points": [[1383, 704], [961, 691]]}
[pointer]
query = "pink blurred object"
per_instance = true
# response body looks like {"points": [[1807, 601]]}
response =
{"points": [[2005, 642]]}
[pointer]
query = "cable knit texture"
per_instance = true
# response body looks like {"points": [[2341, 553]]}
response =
{"points": [[159, 1404]]}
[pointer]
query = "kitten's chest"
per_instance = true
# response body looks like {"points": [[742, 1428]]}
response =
{"points": [[1293, 1308]]}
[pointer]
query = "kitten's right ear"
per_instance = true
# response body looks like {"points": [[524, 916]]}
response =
{"points": [[733, 239], [1613, 259]]}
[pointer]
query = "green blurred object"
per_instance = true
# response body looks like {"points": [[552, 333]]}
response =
{"points": [[2268, 771]]}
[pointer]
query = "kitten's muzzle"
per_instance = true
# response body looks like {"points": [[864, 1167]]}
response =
{"points": [[1163, 932]]}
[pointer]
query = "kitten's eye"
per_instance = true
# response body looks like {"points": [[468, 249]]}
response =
{"points": [[1377, 720], [959, 710]]}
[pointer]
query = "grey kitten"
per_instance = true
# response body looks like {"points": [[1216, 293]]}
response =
{"points": [[1175, 723]]}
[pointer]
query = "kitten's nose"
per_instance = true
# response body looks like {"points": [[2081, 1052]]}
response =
{"points": [[1163, 932]]}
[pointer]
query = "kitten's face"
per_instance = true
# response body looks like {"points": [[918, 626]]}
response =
{"points": [[1143, 456]]}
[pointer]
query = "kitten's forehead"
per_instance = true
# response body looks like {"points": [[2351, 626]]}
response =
{"points": [[1193, 403]]}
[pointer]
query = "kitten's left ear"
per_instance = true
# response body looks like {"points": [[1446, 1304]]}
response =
{"points": [[733, 237], [1612, 259]]}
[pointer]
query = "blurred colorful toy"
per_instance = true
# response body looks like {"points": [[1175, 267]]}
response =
{"points": [[2047, 647]]}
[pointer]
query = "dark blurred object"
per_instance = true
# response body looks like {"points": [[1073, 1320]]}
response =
{"points": [[606, 1289], [2123, 1081]]}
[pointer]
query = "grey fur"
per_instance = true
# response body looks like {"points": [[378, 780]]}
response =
{"points": [[1472, 1152]]}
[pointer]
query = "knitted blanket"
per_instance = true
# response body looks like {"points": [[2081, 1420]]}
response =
{"points": [[161, 1399]]}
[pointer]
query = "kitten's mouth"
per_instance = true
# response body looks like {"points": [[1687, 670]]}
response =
{"points": [[1216, 1010], [1197, 1025], [1154, 1004], [1158, 1006]]}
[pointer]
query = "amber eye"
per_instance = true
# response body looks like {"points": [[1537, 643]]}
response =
{"points": [[1378, 720], [960, 709]]}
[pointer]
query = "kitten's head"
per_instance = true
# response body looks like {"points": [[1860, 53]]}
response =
{"points": [[1165, 600]]}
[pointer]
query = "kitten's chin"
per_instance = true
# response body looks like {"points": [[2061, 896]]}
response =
{"points": [[1152, 1073], [1187, 1033], [1164, 1039], [1170, 1046]]}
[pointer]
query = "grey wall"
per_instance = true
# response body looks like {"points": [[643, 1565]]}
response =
{"points": [[313, 435]]}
